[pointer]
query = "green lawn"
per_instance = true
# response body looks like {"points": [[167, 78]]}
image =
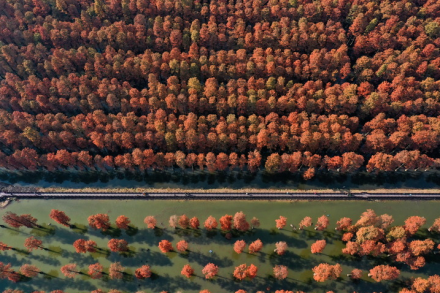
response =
{"points": [[166, 268]]}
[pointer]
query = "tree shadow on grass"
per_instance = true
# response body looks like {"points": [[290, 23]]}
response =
{"points": [[79, 228], [211, 258], [151, 237], [44, 231]]}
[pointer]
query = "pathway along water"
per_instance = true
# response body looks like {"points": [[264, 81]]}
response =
{"points": [[222, 196]]}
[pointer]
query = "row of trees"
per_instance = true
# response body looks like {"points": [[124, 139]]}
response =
{"points": [[321, 273], [299, 162]]}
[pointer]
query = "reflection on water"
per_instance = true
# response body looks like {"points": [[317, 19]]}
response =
{"points": [[235, 179]]}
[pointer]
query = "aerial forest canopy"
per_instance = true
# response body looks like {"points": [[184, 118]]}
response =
{"points": [[298, 86]]}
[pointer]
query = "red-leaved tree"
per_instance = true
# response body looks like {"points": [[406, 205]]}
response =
{"points": [[60, 217], [95, 271], [69, 270], [384, 272], [116, 270], [117, 245], [29, 271], [325, 271], [99, 221], [32, 243], [239, 246]]}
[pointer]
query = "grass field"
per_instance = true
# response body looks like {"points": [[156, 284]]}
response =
{"points": [[166, 267]]}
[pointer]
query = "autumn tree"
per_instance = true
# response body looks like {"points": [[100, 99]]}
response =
{"points": [[252, 271], [280, 247], [240, 272], [194, 223], [255, 246], [255, 223], [324, 271], [280, 272], [122, 222], [384, 272], [240, 222], [239, 246], [69, 270], [174, 220], [32, 243], [29, 271], [343, 224], [60, 217], [413, 224], [187, 271], [165, 246], [322, 223], [226, 222], [115, 270], [210, 271], [182, 246], [95, 270], [318, 246], [306, 222], [117, 245], [99, 221], [5, 270], [281, 222], [150, 221], [83, 246], [355, 274], [143, 272], [183, 221], [210, 223], [435, 226]]}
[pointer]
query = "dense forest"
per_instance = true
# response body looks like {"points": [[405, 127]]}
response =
{"points": [[286, 85]]}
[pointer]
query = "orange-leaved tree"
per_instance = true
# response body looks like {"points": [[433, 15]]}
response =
{"points": [[194, 223], [69, 270], [306, 222], [281, 247], [281, 222], [116, 270], [325, 271], [82, 245], [143, 272], [29, 270], [210, 223], [122, 222], [150, 221], [280, 272], [32, 243], [343, 224], [99, 221], [183, 221], [252, 271], [322, 223], [187, 271], [210, 271], [412, 224], [239, 246], [318, 246], [240, 222], [117, 245], [182, 246], [95, 270], [255, 246], [226, 222], [60, 217], [384, 272], [355, 274], [240, 272], [165, 246]]}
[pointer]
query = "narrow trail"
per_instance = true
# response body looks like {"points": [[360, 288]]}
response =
{"points": [[223, 196]]}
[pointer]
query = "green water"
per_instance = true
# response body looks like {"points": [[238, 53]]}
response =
{"points": [[166, 268]]}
